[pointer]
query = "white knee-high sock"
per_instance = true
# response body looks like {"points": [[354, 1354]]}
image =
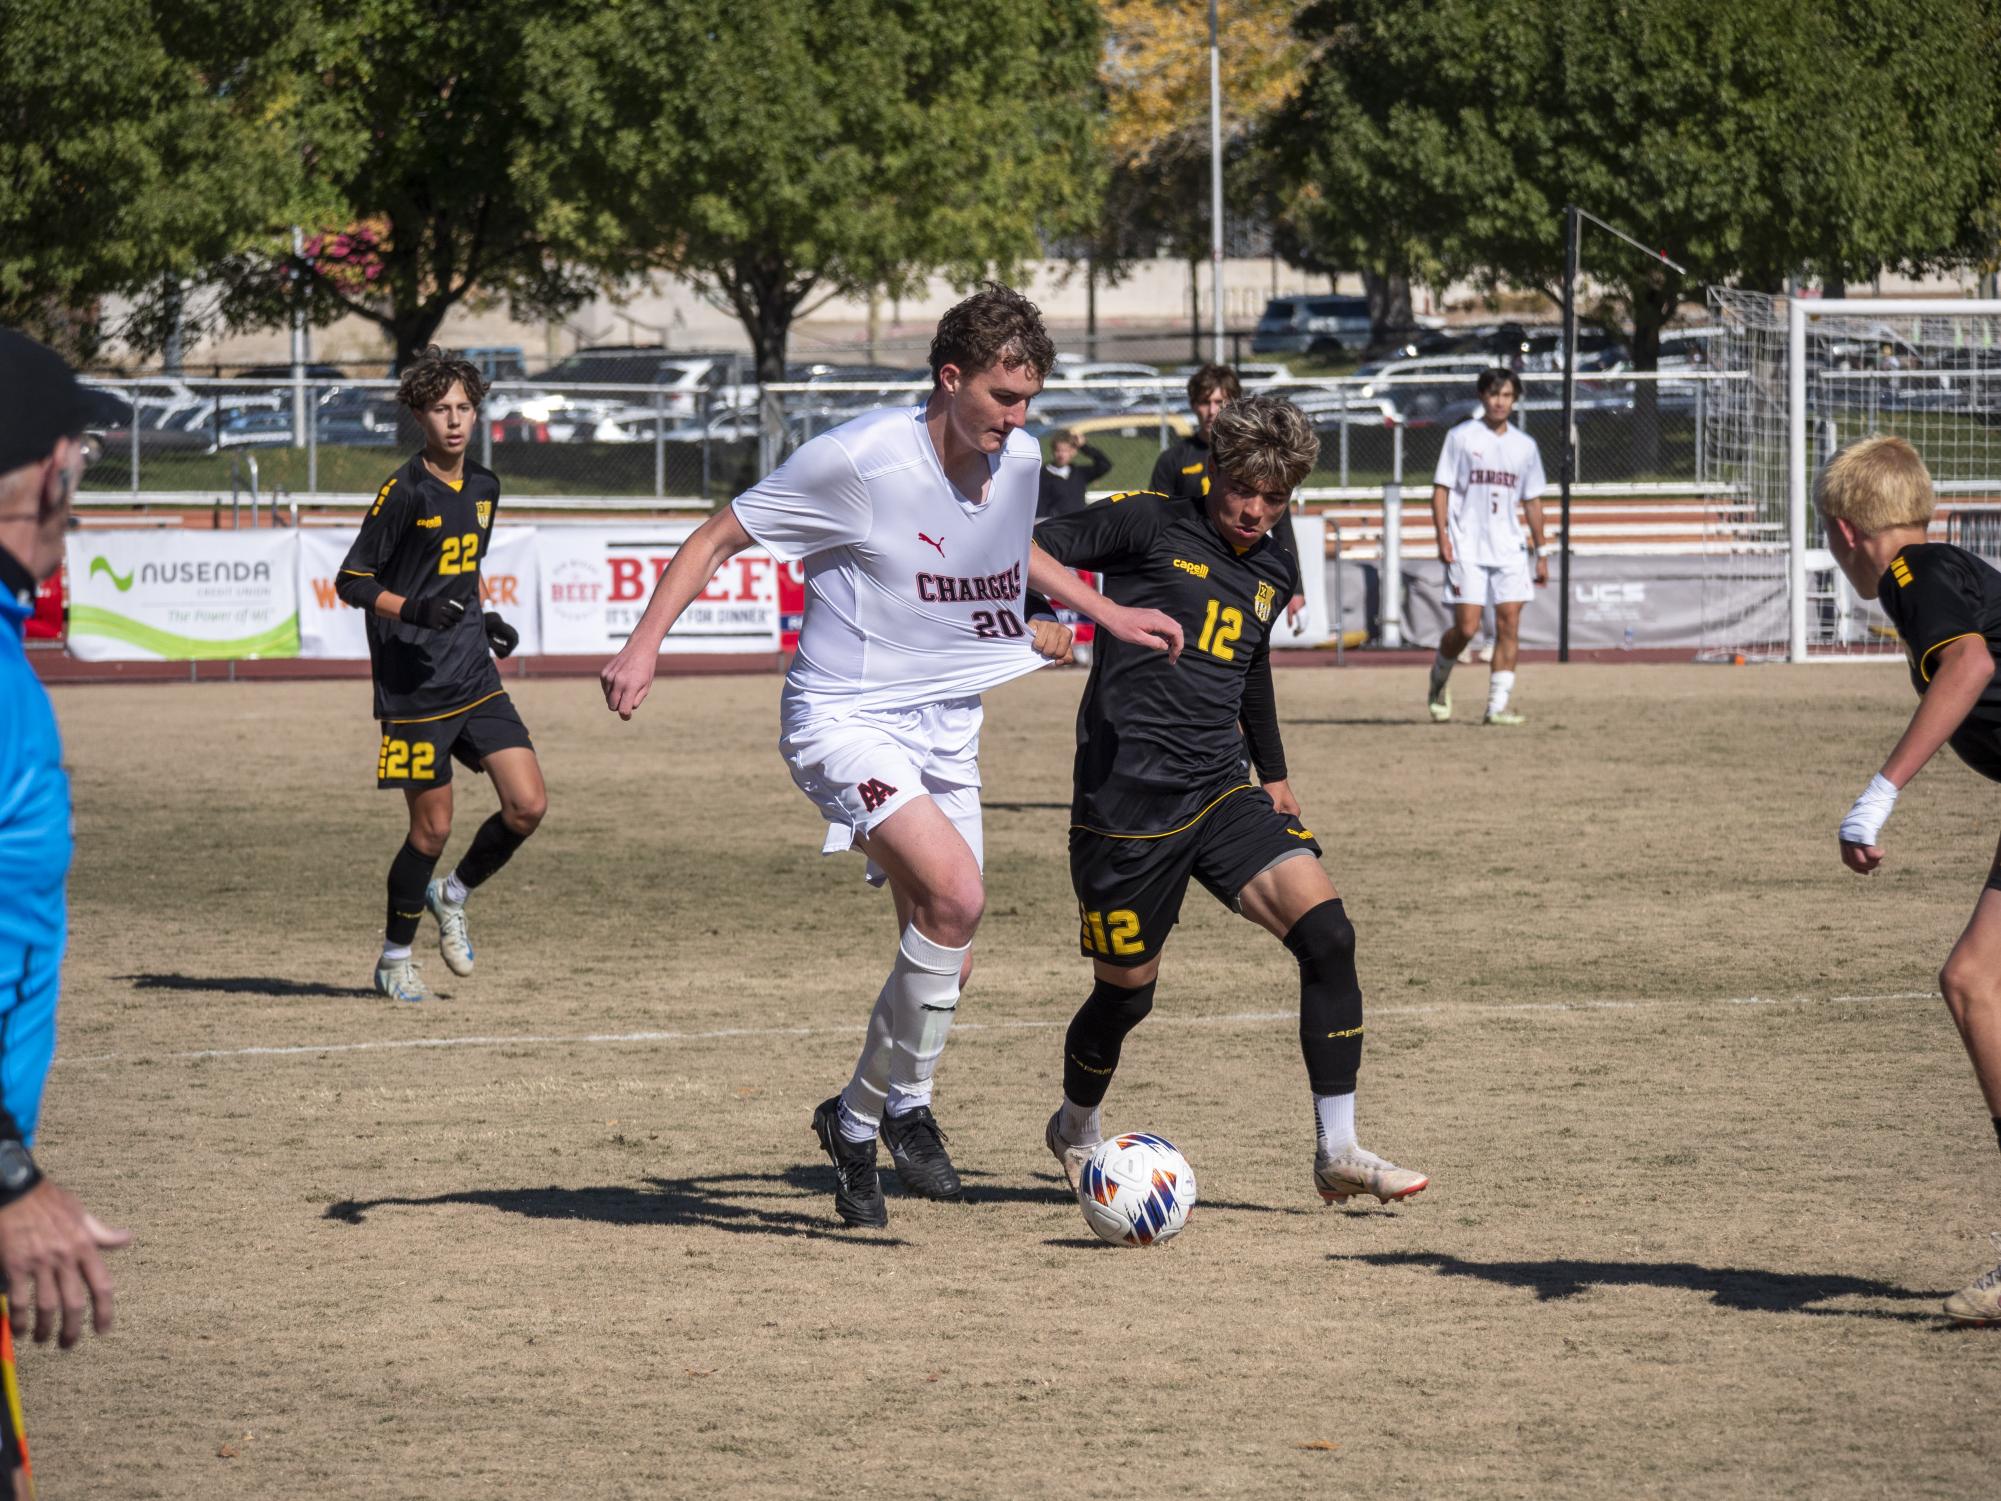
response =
{"points": [[906, 1033], [1499, 686], [927, 998], [862, 1101]]}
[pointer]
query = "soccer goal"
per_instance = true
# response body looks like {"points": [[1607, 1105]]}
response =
{"points": [[1810, 375]]}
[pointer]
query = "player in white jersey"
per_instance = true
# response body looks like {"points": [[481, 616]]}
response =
{"points": [[1488, 474], [914, 523]]}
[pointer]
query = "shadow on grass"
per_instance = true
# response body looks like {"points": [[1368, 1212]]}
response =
{"points": [[795, 1201], [725, 1201], [1742, 1289], [246, 985]]}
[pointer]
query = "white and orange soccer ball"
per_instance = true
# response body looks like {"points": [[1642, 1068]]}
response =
{"points": [[1136, 1190]]}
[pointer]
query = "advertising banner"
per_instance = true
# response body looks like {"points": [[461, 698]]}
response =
{"points": [[595, 581], [330, 629], [179, 595]]}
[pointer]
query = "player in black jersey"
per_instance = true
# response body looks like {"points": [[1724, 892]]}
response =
{"points": [[415, 569], [1876, 499], [1163, 792], [1184, 470]]}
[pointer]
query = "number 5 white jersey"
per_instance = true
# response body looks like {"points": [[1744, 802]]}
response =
{"points": [[914, 594], [1489, 475]]}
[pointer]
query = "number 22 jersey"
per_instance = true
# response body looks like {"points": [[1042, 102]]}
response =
{"points": [[421, 539], [913, 591]]}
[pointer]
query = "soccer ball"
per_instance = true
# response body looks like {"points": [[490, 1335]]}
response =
{"points": [[1136, 1190]]}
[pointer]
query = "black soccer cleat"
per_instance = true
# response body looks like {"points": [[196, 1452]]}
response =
{"points": [[857, 1190], [917, 1147]]}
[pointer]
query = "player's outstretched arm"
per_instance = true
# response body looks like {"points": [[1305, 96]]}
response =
{"points": [[1965, 668], [628, 677], [1153, 629]]}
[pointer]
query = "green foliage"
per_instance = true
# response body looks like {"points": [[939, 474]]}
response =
{"points": [[445, 152], [127, 154], [1749, 139], [804, 148]]}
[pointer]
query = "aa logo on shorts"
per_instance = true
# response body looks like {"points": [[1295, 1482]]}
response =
{"points": [[485, 510], [875, 792], [1263, 603]]}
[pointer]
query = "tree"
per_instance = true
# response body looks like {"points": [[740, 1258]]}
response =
{"points": [[805, 149], [1155, 75], [1749, 139], [445, 153], [126, 155]]}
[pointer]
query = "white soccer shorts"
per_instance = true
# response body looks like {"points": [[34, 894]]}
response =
{"points": [[1483, 584], [861, 767]]}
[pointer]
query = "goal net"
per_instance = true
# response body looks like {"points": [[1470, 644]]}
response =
{"points": [[1807, 376]]}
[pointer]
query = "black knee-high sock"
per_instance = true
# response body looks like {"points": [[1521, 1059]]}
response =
{"points": [[491, 848], [1097, 1031], [409, 873], [1330, 998]]}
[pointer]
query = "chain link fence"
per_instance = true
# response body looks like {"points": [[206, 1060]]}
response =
{"points": [[166, 437], [1667, 432]]}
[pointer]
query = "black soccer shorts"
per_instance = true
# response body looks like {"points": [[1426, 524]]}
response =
{"points": [[418, 753], [1129, 888]]}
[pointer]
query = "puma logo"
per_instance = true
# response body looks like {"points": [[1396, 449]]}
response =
{"points": [[934, 541]]}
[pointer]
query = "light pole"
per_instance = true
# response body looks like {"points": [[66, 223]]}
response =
{"points": [[1216, 181]]}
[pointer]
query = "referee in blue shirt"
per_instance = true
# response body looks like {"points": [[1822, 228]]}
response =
{"points": [[50, 1245]]}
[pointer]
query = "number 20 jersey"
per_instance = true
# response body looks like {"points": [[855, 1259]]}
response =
{"points": [[423, 539], [914, 593]]}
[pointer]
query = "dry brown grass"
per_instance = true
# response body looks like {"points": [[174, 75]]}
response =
{"points": [[1676, 1245]]}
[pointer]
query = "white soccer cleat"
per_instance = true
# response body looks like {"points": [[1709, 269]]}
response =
{"points": [[454, 942], [398, 979], [1981, 1302], [1439, 701], [1073, 1155], [1355, 1171], [1503, 717]]}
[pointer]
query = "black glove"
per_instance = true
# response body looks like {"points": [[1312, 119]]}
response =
{"points": [[434, 614], [501, 636]]}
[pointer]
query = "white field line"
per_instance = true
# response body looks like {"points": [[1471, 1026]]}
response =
{"points": [[724, 1034]]}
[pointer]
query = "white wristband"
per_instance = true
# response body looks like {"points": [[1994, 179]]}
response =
{"points": [[1864, 823]]}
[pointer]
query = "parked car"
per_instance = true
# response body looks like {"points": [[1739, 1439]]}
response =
{"points": [[1312, 325], [1248, 371]]}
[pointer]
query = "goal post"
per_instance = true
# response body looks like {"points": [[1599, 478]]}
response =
{"points": [[1817, 373]]}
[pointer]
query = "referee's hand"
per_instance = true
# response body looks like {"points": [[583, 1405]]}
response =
{"points": [[49, 1245]]}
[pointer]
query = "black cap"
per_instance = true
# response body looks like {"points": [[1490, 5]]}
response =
{"points": [[40, 401]]}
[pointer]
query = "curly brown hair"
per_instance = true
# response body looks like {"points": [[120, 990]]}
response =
{"points": [[1265, 443], [1214, 378], [994, 326], [427, 378]]}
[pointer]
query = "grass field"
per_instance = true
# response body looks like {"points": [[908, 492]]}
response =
{"points": [[1705, 1152]]}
